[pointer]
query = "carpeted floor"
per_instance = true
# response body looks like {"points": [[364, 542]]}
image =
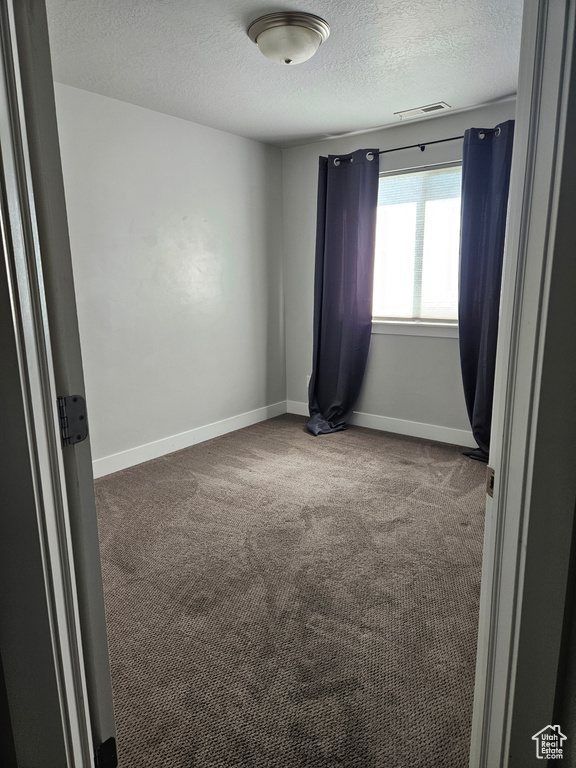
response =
{"points": [[277, 600]]}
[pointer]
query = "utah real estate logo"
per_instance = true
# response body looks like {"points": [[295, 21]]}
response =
{"points": [[549, 743]]}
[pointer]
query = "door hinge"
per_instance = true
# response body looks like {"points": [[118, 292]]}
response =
{"points": [[490, 482], [106, 756], [73, 422]]}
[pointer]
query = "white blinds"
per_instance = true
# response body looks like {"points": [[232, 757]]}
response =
{"points": [[417, 245]]}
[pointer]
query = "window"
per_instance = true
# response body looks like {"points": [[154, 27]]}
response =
{"points": [[417, 246]]}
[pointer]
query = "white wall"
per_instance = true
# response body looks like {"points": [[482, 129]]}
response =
{"points": [[412, 383], [175, 231]]}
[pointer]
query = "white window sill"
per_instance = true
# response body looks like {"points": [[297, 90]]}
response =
{"points": [[412, 328]]}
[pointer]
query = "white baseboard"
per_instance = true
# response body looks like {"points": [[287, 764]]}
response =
{"points": [[399, 426], [300, 409], [141, 453], [129, 458]]}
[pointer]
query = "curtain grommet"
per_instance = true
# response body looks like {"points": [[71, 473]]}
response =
{"points": [[497, 132], [370, 156], [336, 161]]}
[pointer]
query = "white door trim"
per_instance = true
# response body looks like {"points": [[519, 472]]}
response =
{"points": [[498, 737], [23, 264]]}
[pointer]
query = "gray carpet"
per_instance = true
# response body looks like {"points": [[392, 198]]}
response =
{"points": [[281, 600]]}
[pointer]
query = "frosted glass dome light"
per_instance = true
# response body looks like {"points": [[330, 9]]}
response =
{"points": [[288, 45], [289, 38]]}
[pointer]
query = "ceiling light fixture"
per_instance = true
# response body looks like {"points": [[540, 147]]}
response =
{"points": [[288, 38]]}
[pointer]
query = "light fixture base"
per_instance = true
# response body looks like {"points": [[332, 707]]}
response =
{"points": [[289, 19]]}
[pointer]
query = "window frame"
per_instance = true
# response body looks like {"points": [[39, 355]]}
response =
{"points": [[415, 326]]}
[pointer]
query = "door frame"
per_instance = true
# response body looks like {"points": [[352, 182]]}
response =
{"points": [[526, 454], [45, 333], [40, 430], [529, 520]]}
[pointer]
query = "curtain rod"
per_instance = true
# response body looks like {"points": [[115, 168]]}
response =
{"points": [[424, 144], [421, 146]]}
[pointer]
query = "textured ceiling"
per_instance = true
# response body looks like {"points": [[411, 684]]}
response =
{"points": [[193, 59]]}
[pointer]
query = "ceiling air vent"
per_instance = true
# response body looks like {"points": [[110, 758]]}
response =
{"points": [[429, 109]]}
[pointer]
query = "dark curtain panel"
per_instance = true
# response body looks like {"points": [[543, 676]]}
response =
{"points": [[485, 182], [345, 239]]}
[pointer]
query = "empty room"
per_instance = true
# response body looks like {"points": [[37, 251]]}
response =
{"points": [[286, 230], [276, 597]]}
